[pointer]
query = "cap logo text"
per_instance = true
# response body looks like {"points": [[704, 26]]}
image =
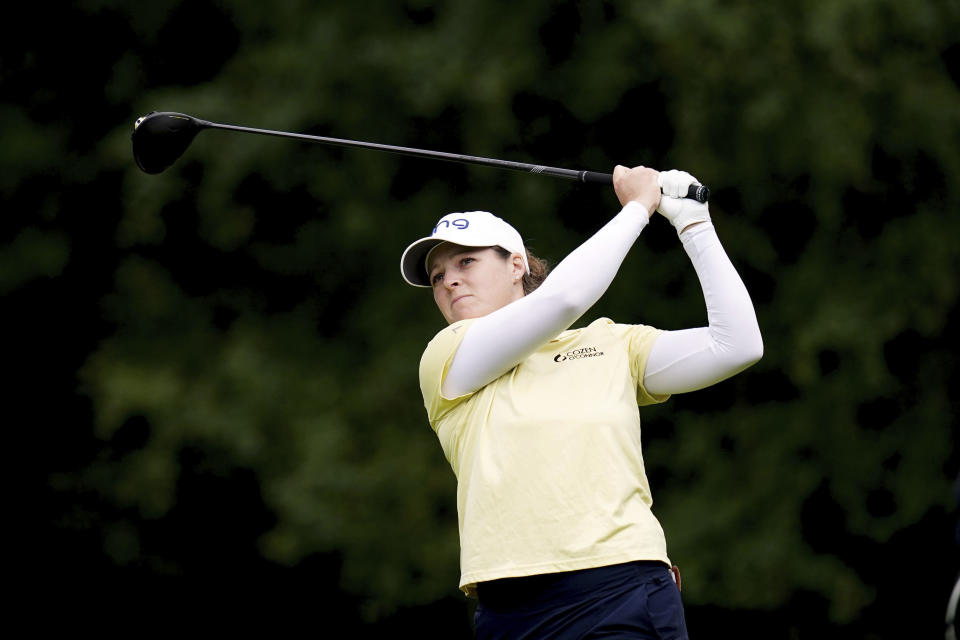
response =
{"points": [[459, 223]]}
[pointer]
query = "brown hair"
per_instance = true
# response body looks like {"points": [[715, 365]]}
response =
{"points": [[538, 270]]}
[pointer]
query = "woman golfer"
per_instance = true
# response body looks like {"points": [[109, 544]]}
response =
{"points": [[540, 422]]}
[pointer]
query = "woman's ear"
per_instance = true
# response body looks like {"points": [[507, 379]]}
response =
{"points": [[518, 268]]}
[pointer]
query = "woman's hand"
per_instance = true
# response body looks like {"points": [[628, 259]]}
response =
{"points": [[638, 184], [682, 212]]}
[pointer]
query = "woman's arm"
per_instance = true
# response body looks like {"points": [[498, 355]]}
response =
{"points": [[497, 342], [682, 361], [691, 359]]}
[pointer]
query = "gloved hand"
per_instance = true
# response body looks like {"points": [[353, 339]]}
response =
{"points": [[674, 205]]}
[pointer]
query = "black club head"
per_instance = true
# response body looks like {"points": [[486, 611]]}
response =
{"points": [[160, 137]]}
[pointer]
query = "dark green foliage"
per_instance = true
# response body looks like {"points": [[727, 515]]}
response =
{"points": [[227, 348]]}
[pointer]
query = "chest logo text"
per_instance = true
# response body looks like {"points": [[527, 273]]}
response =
{"points": [[578, 354]]}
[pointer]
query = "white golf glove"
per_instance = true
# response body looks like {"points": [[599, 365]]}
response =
{"points": [[674, 205]]}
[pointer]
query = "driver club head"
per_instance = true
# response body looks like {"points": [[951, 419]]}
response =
{"points": [[160, 137]]}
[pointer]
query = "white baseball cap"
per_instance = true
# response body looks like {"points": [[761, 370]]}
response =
{"points": [[467, 228]]}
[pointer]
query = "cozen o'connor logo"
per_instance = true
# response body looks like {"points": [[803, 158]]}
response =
{"points": [[578, 354], [459, 223]]}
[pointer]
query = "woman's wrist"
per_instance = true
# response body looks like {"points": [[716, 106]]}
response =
{"points": [[636, 209]]}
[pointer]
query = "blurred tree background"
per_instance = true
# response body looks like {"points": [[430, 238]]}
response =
{"points": [[213, 405]]}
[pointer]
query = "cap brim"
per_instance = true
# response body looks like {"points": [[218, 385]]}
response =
{"points": [[412, 261]]}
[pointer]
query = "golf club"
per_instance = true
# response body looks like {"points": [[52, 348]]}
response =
{"points": [[160, 137]]}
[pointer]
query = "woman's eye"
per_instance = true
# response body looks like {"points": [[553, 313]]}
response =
{"points": [[437, 278], [466, 261]]}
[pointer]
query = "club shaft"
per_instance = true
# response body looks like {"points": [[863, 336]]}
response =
{"points": [[695, 192], [557, 172]]}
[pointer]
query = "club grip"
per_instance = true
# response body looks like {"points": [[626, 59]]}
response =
{"points": [[596, 177], [697, 192]]}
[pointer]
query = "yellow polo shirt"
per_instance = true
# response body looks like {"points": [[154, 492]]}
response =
{"points": [[549, 470]]}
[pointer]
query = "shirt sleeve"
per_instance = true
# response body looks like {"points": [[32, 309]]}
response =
{"points": [[639, 340], [434, 365]]}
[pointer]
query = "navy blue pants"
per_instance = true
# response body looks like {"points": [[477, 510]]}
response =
{"points": [[632, 600]]}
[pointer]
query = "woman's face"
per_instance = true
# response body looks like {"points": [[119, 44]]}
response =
{"points": [[470, 282]]}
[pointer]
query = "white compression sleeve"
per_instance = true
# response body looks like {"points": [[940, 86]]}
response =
{"points": [[691, 359], [495, 343]]}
